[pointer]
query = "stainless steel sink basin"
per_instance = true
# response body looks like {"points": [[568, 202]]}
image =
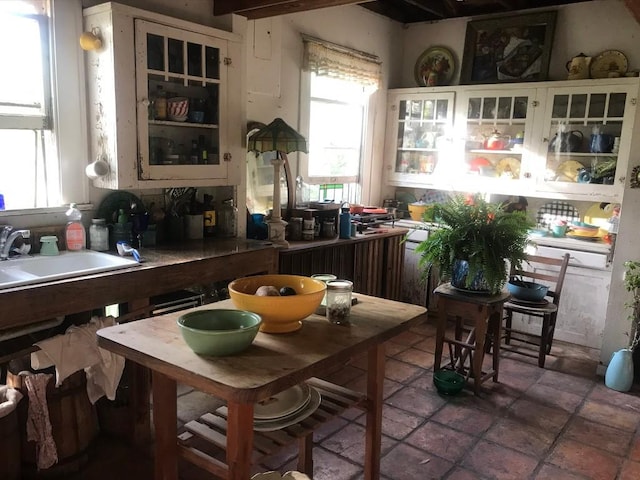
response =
{"points": [[40, 268]]}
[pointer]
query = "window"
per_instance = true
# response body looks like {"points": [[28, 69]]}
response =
{"points": [[340, 84], [42, 125]]}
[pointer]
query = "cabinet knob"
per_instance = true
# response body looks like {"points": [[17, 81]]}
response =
{"points": [[535, 103]]}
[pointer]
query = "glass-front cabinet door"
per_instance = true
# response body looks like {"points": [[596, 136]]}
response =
{"points": [[494, 128], [180, 86], [419, 138], [586, 139]]}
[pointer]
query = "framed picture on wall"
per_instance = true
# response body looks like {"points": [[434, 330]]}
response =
{"points": [[508, 49]]}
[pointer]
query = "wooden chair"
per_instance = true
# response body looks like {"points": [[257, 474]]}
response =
{"points": [[550, 272]]}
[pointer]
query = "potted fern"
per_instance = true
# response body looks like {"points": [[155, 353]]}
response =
{"points": [[475, 244]]}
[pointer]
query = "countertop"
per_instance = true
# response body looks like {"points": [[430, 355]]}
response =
{"points": [[165, 269]]}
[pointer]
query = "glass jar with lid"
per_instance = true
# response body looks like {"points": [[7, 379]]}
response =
{"points": [[227, 219], [338, 298], [99, 235]]}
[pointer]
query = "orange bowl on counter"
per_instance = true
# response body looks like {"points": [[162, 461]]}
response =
{"points": [[280, 314], [417, 211]]}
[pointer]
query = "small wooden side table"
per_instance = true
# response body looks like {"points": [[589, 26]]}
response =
{"points": [[482, 313]]}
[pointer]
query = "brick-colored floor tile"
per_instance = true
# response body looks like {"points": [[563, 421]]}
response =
{"points": [[400, 371], [416, 401], [330, 466], [611, 415], [441, 441], [496, 462], [426, 329], [598, 435], [630, 471], [602, 394], [521, 436], [416, 357], [634, 453], [395, 422], [350, 443], [567, 383], [463, 474], [551, 472], [392, 349], [360, 385], [405, 462], [407, 338], [467, 419], [541, 416], [426, 345], [585, 460], [540, 393]]}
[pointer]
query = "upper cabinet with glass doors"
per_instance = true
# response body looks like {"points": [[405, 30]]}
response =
{"points": [[174, 88], [419, 126], [569, 139], [586, 139], [495, 129]]}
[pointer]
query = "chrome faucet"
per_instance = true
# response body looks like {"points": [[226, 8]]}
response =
{"points": [[7, 236]]}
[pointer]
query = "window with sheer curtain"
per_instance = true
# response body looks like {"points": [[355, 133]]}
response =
{"points": [[39, 117], [339, 83]]}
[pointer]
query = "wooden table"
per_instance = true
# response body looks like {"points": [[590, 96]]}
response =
{"points": [[480, 311], [273, 363]]}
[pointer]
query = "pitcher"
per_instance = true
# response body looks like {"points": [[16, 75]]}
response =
{"points": [[578, 67]]}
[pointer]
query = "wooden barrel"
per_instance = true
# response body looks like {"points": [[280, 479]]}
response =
{"points": [[9, 445], [74, 424]]}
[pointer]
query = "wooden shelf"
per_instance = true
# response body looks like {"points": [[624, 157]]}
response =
{"points": [[206, 437]]}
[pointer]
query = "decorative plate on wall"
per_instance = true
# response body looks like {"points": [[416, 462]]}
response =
{"points": [[435, 66]]}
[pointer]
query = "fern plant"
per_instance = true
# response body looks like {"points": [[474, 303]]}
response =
{"points": [[482, 233], [632, 284]]}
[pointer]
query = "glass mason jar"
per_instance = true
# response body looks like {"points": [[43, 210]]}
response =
{"points": [[99, 235], [227, 219], [324, 277], [339, 301]]}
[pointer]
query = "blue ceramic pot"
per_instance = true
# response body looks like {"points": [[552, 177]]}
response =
{"points": [[459, 278], [619, 375]]}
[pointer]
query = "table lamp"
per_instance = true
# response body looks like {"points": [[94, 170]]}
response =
{"points": [[280, 138]]}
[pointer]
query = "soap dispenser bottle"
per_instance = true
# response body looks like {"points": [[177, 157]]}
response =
{"points": [[75, 235]]}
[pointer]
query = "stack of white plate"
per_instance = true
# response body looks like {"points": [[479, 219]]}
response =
{"points": [[285, 408]]}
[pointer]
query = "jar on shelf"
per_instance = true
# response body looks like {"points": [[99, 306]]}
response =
{"points": [[338, 298], [99, 235]]}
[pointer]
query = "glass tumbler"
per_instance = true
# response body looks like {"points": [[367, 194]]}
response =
{"points": [[339, 301]]}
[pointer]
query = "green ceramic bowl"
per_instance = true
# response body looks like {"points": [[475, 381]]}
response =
{"points": [[448, 382], [219, 332]]}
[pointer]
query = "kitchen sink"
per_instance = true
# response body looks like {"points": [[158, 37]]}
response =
{"points": [[28, 270]]}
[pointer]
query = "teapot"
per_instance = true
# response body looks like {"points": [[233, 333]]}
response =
{"points": [[578, 67], [496, 141], [566, 141]]}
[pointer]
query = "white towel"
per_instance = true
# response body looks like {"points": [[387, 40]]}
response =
{"points": [[77, 350]]}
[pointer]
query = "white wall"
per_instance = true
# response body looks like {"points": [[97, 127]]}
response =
{"points": [[588, 27], [274, 86]]}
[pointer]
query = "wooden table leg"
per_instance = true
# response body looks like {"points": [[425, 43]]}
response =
{"points": [[165, 412], [481, 321], [305, 454], [440, 329], [496, 318], [239, 440], [375, 388]]}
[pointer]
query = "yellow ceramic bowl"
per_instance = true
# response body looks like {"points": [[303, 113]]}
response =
{"points": [[279, 314]]}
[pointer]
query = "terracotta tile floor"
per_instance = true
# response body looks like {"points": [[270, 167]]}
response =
{"points": [[556, 423]]}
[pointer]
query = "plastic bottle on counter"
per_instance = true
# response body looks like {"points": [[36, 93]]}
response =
{"points": [[75, 235]]}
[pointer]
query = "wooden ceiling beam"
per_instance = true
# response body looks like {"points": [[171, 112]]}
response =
{"points": [[634, 7], [427, 7], [254, 9]]}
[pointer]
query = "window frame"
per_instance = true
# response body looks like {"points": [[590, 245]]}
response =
{"points": [[68, 109], [366, 157]]}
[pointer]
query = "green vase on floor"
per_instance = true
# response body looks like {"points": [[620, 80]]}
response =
{"points": [[619, 374]]}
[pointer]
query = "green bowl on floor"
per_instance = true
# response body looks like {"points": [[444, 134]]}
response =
{"points": [[448, 382]]}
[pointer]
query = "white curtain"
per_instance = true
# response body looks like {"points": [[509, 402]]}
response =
{"points": [[324, 58]]}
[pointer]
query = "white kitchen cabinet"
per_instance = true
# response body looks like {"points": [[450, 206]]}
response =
{"points": [[419, 133], [524, 119], [144, 53]]}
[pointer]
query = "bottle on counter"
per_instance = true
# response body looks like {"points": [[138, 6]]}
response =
{"points": [[99, 235], [345, 223], [227, 219], [75, 235]]}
